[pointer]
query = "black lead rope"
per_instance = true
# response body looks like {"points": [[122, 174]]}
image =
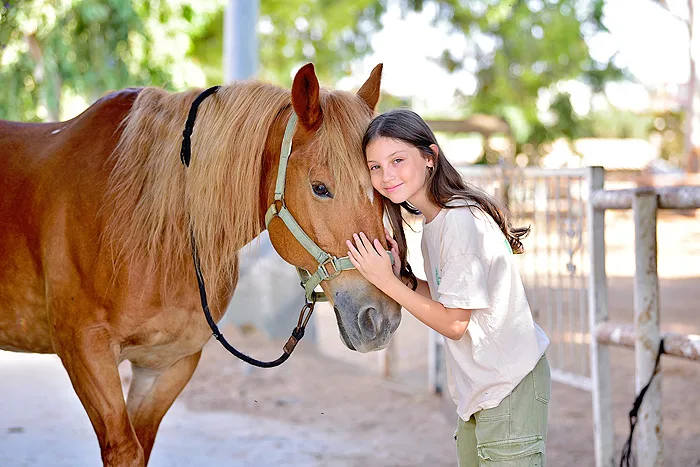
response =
{"points": [[307, 309], [186, 149], [627, 458]]}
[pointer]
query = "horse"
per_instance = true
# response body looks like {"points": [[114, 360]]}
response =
{"points": [[98, 217]]}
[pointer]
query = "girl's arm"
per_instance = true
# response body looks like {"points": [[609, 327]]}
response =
{"points": [[423, 288], [374, 264], [450, 322]]}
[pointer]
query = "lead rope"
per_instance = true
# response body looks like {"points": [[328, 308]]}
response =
{"points": [[627, 458], [306, 310]]}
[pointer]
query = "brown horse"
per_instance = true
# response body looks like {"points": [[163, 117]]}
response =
{"points": [[95, 218]]}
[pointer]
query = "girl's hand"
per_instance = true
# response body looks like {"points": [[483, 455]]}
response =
{"points": [[394, 251], [371, 260]]}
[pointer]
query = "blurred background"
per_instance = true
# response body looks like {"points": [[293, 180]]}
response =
{"points": [[551, 70], [524, 95]]}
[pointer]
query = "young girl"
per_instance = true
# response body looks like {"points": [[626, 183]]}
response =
{"points": [[497, 372]]}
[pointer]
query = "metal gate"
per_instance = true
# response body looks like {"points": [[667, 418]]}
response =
{"points": [[554, 267]]}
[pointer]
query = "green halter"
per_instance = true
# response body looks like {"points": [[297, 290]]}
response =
{"points": [[308, 280]]}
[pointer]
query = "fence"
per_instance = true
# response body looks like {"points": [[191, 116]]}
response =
{"points": [[554, 266], [644, 336]]}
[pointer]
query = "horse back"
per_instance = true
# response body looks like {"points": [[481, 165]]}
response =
{"points": [[42, 161]]}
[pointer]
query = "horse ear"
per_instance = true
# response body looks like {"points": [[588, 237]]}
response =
{"points": [[369, 92], [305, 100]]}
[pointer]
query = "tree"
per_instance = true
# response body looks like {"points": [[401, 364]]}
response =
{"points": [[87, 47], [518, 49], [292, 32]]}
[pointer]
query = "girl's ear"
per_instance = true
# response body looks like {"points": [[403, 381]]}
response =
{"points": [[435, 149], [436, 152]]}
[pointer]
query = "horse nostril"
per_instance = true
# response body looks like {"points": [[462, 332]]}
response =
{"points": [[369, 321]]}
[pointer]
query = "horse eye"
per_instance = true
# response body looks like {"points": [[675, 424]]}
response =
{"points": [[321, 190]]}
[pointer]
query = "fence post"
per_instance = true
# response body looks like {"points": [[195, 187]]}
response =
{"points": [[598, 313], [646, 327], [436, 362]]}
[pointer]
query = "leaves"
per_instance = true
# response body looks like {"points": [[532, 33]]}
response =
{"points": [[89, 47], [331, 34], [518, 50]]}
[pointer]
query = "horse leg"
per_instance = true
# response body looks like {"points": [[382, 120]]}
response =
{"points": [[91, 362], [151, 394]]}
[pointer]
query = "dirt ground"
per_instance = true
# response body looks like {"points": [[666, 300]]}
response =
{"points": [[389, 423], [328, 406]]}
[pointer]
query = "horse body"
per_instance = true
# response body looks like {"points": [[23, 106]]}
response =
{"points": [[76, 279], [50, 239]]}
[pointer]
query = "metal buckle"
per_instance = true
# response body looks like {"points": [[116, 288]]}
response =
{"points": [[322, 266]]}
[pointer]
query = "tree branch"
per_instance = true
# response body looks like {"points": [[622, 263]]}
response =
{"points": [[664, 4]]}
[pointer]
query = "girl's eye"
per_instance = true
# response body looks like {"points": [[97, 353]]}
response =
{"points": [[374, 167], [321, 190], [396, 161]]}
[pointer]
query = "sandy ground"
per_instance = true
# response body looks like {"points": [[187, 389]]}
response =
{"points": [[330, 406]]}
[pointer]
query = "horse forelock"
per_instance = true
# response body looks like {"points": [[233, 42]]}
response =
{"points": [[338, 144]]}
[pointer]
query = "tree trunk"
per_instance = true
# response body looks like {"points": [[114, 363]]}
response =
{"points": [[691, 140], [47, 79], [56, 87]]}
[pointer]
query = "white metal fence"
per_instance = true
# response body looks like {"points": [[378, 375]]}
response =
{"points": [[554, 266], [645, 335]]}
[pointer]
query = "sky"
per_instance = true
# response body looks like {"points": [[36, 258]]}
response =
{"points": [[651, 43]]}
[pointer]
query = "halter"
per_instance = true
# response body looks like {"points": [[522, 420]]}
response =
{"points": [[309, 281]]}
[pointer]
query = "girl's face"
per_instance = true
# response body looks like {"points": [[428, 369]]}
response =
{"points": [[398, 170]]}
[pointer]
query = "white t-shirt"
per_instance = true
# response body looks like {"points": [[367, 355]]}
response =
{"points": [[469, 264]]}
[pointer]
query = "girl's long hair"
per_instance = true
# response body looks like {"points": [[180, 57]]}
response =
{"points": [[445, 184]]}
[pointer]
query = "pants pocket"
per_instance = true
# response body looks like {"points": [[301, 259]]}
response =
{"points": [[519, 452], [542, 380]]}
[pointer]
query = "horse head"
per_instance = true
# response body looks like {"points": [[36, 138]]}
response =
{"points": [[329, 193]]}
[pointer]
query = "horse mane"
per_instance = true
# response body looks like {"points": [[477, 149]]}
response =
{"points": [[152, 200]]}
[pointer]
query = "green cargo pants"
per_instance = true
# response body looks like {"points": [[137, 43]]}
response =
{"points": [[514, 433]]}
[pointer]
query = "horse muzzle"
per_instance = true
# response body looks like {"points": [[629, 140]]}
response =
{"points": [[366, 323]]}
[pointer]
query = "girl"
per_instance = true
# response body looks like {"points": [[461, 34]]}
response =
{"points": [[497, 372]]}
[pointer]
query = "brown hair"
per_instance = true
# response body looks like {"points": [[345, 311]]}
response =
{"points": [[445, 183]]}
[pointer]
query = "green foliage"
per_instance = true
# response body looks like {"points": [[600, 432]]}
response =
{"points": [[89, 47], [331, 34], [616, 123], [207, 48], [519, 49], [667, 126], [389, 102]]}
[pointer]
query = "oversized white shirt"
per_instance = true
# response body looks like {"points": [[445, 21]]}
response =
{"points": [[469, 264]]}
